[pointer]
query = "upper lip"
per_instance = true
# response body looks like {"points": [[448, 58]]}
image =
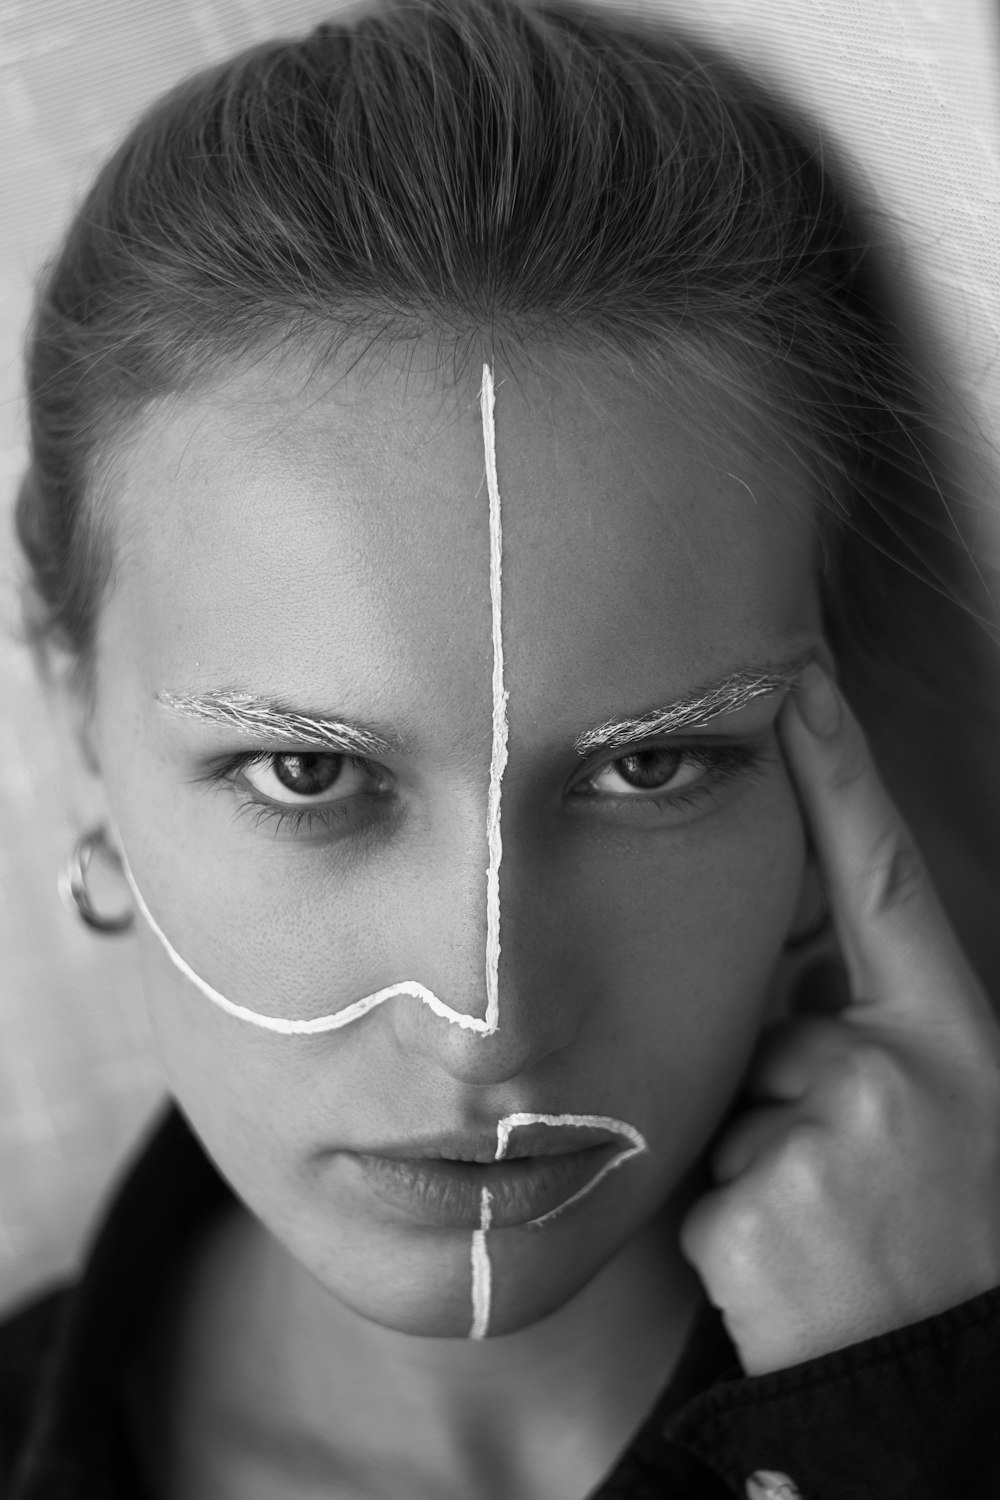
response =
{"points": [[481, 1145]]}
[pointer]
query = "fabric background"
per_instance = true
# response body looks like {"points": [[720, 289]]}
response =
{"points": [[910, 89]]}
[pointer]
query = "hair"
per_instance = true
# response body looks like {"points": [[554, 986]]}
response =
{"points": [[530, 175]]}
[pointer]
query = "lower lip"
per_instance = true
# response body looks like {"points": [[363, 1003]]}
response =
{"points": [[448, 1194]]}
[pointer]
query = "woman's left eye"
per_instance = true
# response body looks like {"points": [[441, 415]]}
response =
{"points": [[646, 771], [669, 772]]}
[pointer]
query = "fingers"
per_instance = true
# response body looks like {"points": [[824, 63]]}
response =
{"points": [[896, 940], [789, 1066]]}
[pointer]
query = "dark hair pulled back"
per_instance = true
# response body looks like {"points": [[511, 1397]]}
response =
{"points": [[437, 166], [464, 168]]}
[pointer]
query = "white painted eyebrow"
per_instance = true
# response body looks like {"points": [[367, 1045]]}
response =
{"points": [[249, 714], [726, 696]]}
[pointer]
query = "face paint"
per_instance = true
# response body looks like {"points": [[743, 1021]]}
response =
{"points": [[488, 1024], [280, 1024], [242, 711], [498, 752], [482, 1275], [482, 1271], [636, 1143]]}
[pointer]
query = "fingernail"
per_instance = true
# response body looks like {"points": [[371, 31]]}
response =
{"points": [[818, 701]]}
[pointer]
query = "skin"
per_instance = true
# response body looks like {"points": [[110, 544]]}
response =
{"points": [[327, 543], [859, 1192]]}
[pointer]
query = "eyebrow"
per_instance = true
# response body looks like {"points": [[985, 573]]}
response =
{"points": [[250, 714], [705, 703]]}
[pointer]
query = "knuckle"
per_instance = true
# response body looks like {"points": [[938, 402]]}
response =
{"points": [[746, 1237], [798, 1167], [722, 1237], [801, 1151], [868, 1089]]}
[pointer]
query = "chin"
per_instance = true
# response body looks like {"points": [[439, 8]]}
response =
{"points": [[430, 1286]]}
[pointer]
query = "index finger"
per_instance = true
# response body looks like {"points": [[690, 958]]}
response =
{"points": [[896, 939]]}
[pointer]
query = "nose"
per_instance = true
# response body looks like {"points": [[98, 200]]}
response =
{"points": [[540, 997]]}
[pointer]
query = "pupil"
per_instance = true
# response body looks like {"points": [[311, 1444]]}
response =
{"points": [[307, 774], [649, 768]]}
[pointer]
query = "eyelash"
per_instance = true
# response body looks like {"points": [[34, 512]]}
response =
{"points": [[724, 762], [290, 818]]}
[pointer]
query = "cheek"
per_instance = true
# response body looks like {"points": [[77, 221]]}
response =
{"points": [[681, 943], [215, 1066]]}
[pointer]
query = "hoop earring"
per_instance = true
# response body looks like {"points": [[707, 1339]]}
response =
{"points": [[810, 934], [72, 882]]}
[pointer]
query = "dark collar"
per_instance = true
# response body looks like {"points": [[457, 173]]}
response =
{"points": [[79, 1443]]}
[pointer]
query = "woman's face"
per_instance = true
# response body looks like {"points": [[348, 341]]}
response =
{"points": [[325, 546]]}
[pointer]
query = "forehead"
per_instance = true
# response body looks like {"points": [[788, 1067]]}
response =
{"points": [[328, 541]]}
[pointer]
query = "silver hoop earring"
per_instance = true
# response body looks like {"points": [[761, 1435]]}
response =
{"points": [[72, 882]]}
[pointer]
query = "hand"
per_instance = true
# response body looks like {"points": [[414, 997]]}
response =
{"points": [[861, 1190]]}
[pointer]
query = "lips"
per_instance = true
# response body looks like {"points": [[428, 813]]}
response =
{"points": [[446, 1190], [530, 1166], [525, 1140]]}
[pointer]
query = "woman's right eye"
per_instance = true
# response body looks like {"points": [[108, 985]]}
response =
{"points": [[304, 778]]}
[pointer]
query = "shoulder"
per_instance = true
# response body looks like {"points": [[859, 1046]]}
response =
{"points": [[28, 1338]]}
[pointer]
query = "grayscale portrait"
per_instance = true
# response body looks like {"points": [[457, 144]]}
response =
{"points": [[501, 823]]}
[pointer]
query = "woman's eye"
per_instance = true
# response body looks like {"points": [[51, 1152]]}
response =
{"points": [[645, 771], [306, 777], [672, 776]]}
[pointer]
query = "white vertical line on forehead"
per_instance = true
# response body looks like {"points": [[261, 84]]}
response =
{"points": [[482, 1270], [498, 754]]}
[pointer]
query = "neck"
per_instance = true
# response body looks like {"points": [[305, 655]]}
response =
{"points": [[543, 1411]]}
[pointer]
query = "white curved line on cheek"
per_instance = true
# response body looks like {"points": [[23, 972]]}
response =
{"points": [[485, 1025], [286, 1027]]}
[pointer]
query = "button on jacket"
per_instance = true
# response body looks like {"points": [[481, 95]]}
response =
{"points": [[911, 1415]]}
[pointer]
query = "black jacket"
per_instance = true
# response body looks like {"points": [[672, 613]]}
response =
{"points": [[912, 1415]]}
